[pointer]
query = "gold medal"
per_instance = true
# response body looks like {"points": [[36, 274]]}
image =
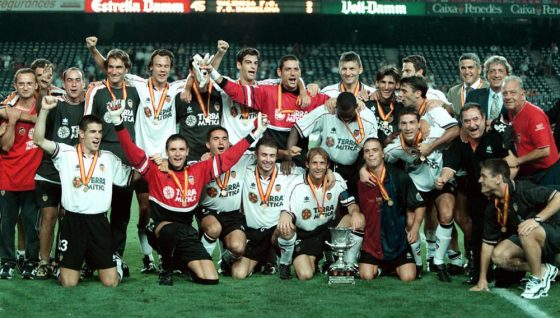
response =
{"points": [[321, 216], [207, 119], [113, 97], [156, 121], [223, 193], [204, 107], [85, 178], [86, 188], [503, 229], [263, 206], [183, 189], [422, 158], [184, 203], [390, 202], [265, 196], [157, 109], [123, 103], [385, 123]]}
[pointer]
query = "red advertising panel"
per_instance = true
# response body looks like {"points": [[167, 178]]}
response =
{"points": [[138, 6]]}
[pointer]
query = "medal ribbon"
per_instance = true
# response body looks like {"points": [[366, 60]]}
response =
{"points": [[108, 85], [380, 109], [244, 108], [223, 184], [320, 207], [161, 100], [422, 109], [360, 128], [266, 196], [416, 142], [380, 181], [86, 178], [287, 111], [184, 190], [205, 108], [502, 215], [356, 89]]}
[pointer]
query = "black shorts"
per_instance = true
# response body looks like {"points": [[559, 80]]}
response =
{"points": [[85, 236], [312, 243], [141, 186], [388, 266], [259, 243], [47, 194], [188, 246], [449, 187], [230, 221], [551, 242]]}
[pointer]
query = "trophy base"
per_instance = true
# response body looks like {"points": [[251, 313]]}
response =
{"points": [[337, 277]]}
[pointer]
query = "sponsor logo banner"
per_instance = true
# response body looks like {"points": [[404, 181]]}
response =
{"points": [[138, 6]]}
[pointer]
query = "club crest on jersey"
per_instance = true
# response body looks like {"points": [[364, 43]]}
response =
{"points": [[515, 206], [217, 106], [329, 195], [329, 141], [21, 131], [63, 132], [191, 180], [211, 192], [129, 103], [191, 120], [77, 182], [167, 98], [306, 214], [45, 197], [233, 174], [168, 192], [102, 167], [356, 133], [2, 192], [147, 112], [253, 197], [277, 188], [278, 115]]}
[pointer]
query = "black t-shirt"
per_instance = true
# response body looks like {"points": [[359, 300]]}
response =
{"points": [[101, 100], [194, 125], [62, 126], [461, 155], [525, 201], [388, 127]]}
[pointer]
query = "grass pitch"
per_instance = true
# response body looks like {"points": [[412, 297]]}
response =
{"points": [[262, 296]]}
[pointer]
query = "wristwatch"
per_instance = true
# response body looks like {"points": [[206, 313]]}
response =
{"points": [[538, 219]]}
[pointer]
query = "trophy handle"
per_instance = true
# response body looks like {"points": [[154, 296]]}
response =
{"points": [[329, 244]]}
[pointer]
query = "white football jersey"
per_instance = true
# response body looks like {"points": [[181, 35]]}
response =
{"points": [[336, 137], [335, 89], [423, 173], [303, 204], [109, 170], [255, 215], [151, 134]]}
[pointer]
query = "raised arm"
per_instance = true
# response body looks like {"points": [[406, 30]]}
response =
{"points": [[49, 146], [99, 59], [8, 138], [223, 46]]}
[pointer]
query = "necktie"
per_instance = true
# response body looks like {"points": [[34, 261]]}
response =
{"points": [[494, 108]]}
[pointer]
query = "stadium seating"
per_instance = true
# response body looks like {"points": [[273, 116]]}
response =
{"points": [[319, 61]]}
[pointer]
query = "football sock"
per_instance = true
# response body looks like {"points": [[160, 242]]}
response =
{"points": [[144, 245], [286, 250], [455, 257], [416, 253], [443, 237]]}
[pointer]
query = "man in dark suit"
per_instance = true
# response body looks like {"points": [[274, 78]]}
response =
{"points": [[469, 69], [490, 99]]}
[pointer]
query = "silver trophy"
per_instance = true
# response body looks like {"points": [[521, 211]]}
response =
{"points": [[340, 272]]}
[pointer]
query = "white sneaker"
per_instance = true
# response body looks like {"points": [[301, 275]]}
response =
{"points": [[535, 288], [549, 275], [118, 262]]}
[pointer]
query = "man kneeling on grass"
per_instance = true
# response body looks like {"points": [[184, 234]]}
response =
{"points": [[310, 210], [86, 177], [174, 195], [521, 228]]}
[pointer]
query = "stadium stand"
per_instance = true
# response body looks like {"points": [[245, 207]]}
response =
{"points": [[319, 61]]}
